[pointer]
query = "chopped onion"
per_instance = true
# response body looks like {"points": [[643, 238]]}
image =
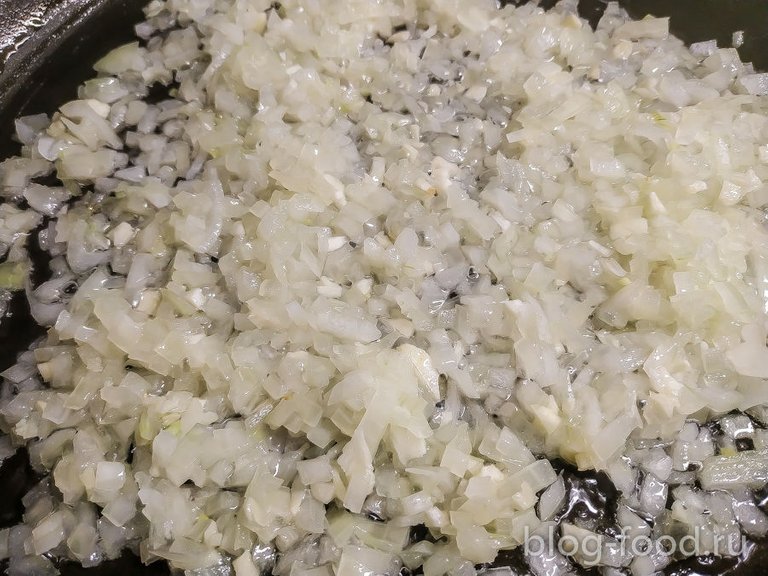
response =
{"points": [[325, 278]]}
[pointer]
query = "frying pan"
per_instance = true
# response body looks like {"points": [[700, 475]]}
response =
{"points": [[47, 48]]}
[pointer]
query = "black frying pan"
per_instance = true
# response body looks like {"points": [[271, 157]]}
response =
{"points": [[47, 48]]}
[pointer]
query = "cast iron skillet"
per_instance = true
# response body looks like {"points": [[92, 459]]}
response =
{"points": [[47, 48]]}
